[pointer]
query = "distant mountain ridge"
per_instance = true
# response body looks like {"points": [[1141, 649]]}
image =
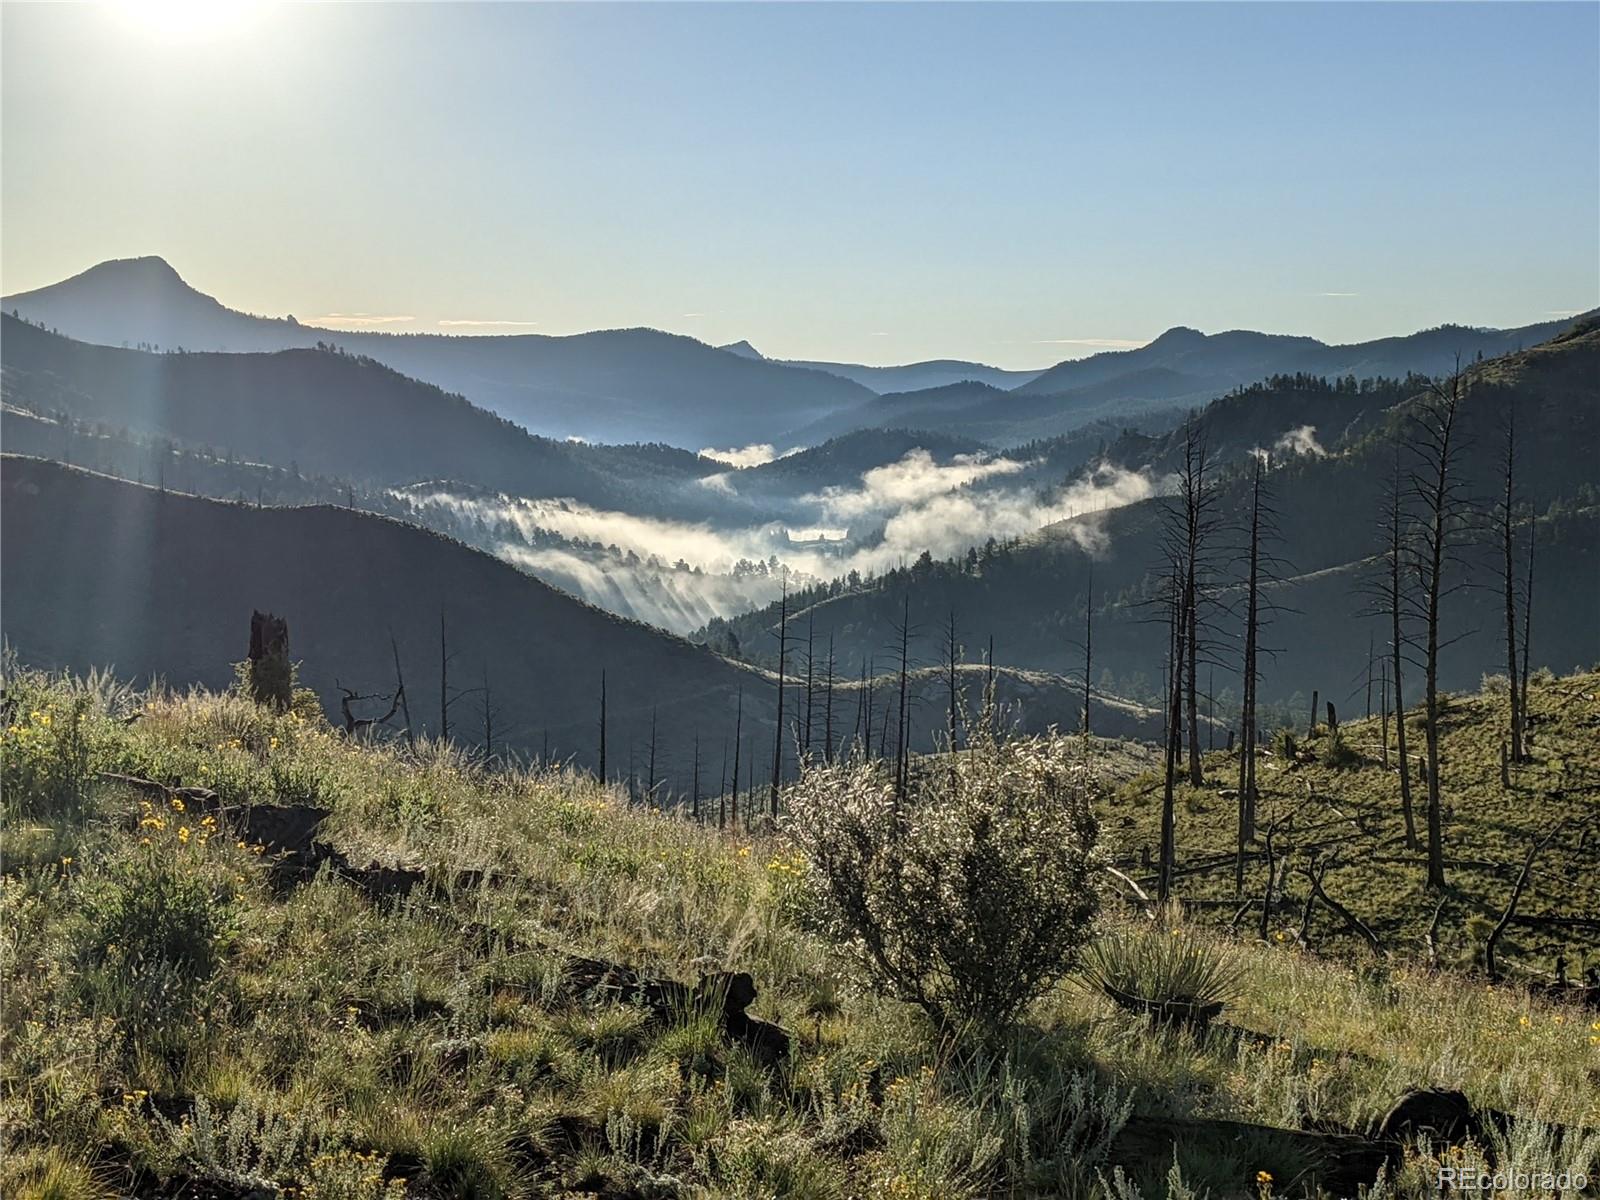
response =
{"points": [[645, 385], [1327, 498], [608, 385], [324, 411]]}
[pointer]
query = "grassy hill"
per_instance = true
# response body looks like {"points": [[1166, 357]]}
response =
{"points": [[104, 573], [439, 1012], [1335, 793]]}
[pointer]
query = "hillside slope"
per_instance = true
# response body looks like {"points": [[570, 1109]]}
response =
{"points": [[328, 413], [102, 573], [1032, 595]]}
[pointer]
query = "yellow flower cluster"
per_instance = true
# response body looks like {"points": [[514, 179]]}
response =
{"points": [[38, 720], [794, 865]]}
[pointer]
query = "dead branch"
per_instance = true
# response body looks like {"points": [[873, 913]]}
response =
{"points": [[1516, 895]]}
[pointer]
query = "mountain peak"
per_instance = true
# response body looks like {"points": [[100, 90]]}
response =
{"points": [[1178, 335], [744, 350], [146, 268]]}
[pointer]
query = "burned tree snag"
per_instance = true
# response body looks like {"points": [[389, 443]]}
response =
{"points": [[271, 673], [1516, 895]]}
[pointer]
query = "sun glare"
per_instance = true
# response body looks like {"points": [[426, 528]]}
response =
{"points": [[185, 20]]}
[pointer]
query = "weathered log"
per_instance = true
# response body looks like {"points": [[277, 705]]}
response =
{"points": [[1337, 1164]]}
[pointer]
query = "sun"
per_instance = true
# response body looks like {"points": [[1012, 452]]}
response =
{"points": [[185, 20]]}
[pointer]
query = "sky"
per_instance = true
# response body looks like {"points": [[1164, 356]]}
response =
{"points": [[1012, 183]]}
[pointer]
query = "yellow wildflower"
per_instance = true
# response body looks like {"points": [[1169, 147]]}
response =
{"points": [[183, 834], [177, 804]]}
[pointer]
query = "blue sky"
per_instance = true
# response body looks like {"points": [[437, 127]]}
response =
{"points": [[1012, 183]]}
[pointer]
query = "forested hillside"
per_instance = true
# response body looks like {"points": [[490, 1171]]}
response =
{"points": [[1333, 450]]}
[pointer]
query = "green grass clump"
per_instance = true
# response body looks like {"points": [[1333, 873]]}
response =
{"points": [[1165, 968]]}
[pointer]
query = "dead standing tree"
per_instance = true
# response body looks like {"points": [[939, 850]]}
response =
{"points": [[1442, 504], [1201, 522], [783, 650], [904, 632], [1388, 591], [271, 674], [1188, 523], [1505, 518]]}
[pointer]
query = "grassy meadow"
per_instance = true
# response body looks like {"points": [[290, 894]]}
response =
{"points": [[177, 1022]]}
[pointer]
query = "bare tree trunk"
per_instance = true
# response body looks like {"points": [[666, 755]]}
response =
{"points": [[738, 734], [444, 684], [1395, 598], [694, 794], [1438, 492], [811, 630], [602, 727], [722, 794], [1370, 652], [650, 771], [1527, 634], [1516, 895], [777, 740], [827, 708], [1383, 710], [400, 689], [1247, 731], [1174, 742], [901, 745], [271, 672], [864, 712], [488, 720], [1088, 647], [952, 651], [1507, 516], [1192, 707]]}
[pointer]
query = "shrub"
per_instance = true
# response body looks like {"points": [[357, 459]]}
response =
{"points": [[156, 930], [1169, 970], [1338, 754], [47, 754], [50, 1174], [970, 895]]}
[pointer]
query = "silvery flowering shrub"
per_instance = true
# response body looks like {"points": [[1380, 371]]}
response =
{"points": [[970, 895]]}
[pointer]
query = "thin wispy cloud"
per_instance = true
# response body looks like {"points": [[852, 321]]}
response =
{"points": [[1097, 343], [1339, 295], [1563, 312], [689, 316], [455, 322], [356, 319], [879, 333]]}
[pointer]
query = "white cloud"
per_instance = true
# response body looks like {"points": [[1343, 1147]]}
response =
{"points": [[1339, 295], [355, 319], [1301, 440], [897, 511], [742, 456], [1097, 343], [913, 479]]}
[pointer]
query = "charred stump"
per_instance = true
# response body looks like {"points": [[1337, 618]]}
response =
{"points": [[271, 675]]}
